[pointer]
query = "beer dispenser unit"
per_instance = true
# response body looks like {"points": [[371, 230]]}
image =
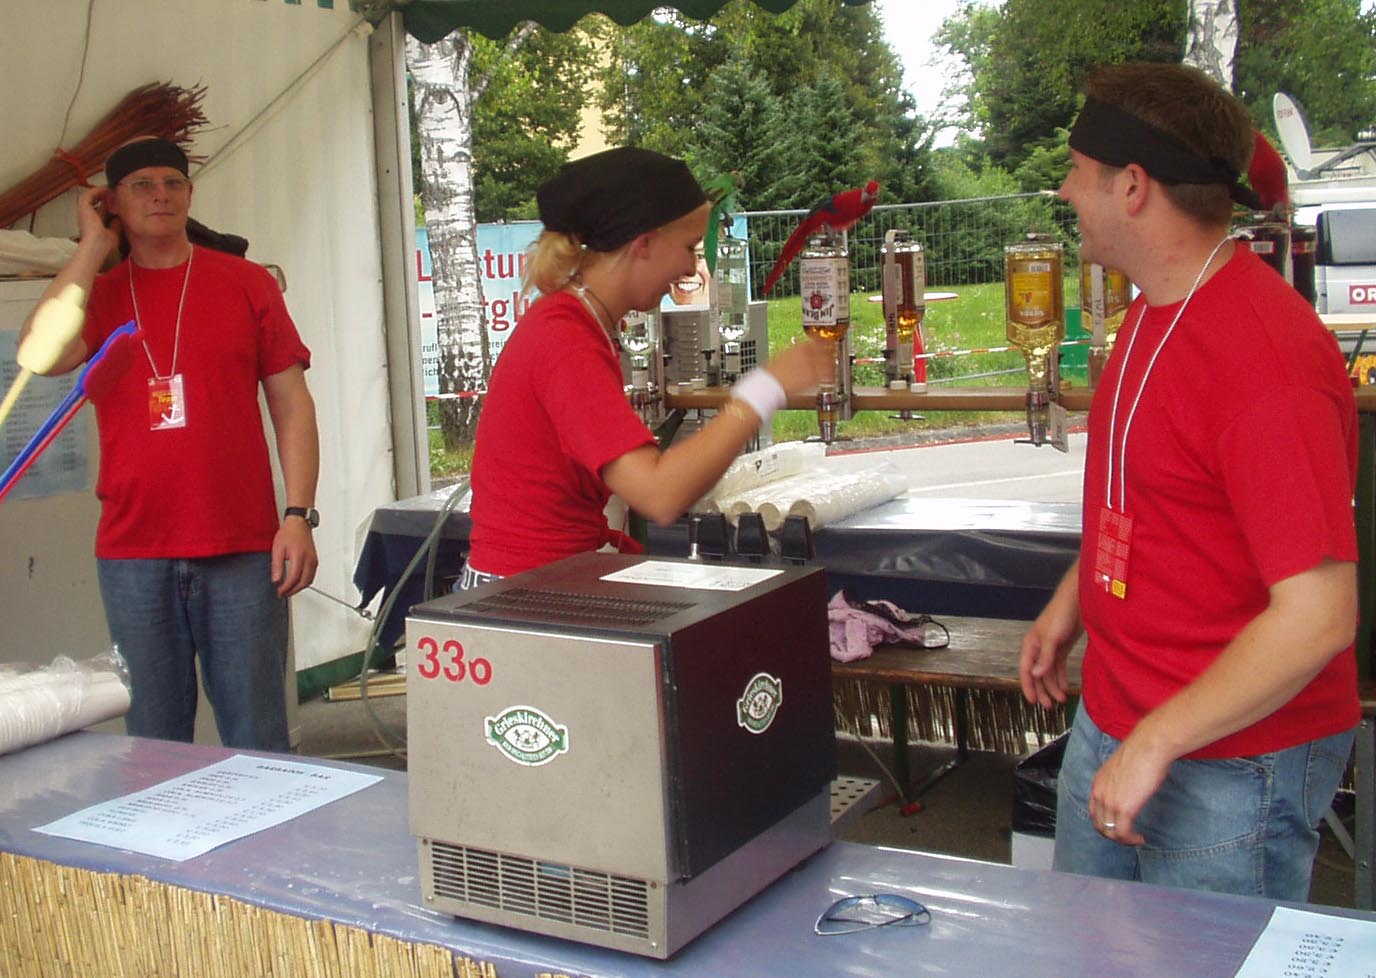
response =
{"points": [[618, 750]]}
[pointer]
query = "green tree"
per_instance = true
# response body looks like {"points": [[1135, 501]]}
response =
{"points": [[738, 129], [529, 117], [1025, 63], [1028, 63], [1323, 52], [663, 91]]}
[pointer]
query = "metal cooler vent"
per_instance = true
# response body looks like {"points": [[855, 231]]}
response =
{"points": [[576, 609], [550, 891]]}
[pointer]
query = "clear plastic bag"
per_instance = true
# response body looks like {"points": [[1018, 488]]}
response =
{"points": [[39, 703]]}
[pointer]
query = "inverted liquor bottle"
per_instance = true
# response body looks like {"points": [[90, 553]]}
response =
{"points": [[1104, 297], [730, 304], [824, 281], [905, 306], [1035, 313]]}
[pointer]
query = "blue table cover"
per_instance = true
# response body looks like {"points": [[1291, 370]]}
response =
{"points": [[354, 863]]}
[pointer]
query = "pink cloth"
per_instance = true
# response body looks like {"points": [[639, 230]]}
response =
{"points": [[858, 626]]}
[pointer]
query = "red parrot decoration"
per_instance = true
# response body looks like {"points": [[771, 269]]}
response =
{"points": [[838, 213], [1267, 175]]}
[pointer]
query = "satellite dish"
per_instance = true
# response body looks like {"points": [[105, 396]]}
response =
{"points": [[1294, 134]]}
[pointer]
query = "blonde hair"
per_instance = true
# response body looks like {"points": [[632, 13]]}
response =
{"points": [[552, 260]]}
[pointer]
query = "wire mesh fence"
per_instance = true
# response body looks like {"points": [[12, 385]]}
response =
{"points": [[963, 239]]}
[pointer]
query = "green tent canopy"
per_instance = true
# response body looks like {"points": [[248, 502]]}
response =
{"points": [[430, 20]]}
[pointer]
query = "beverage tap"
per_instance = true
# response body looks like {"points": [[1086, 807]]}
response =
{"points": [[904, 278], [730, 304], [639, 340], [1035, 319], [824, 280], [1104, 297]]}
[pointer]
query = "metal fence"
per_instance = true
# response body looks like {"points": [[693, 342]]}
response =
{"points": [[963, 239]]}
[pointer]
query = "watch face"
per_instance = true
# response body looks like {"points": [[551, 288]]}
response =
{"points": [[311, 516]]}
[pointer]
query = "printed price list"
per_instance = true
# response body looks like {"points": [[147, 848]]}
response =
{"points": [[1300, 944]]}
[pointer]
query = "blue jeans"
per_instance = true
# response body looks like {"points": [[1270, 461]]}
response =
{"points": [[1245, 825], [163, 614]]}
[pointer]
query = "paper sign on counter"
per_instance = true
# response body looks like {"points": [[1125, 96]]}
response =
{"points": [[1300, 944], [704, 576], [189, 815]]}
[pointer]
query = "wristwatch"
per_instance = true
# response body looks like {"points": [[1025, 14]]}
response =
{"points": [[311, 515]]}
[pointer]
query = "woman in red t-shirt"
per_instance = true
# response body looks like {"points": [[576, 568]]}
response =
{"points": [[557, 436]]}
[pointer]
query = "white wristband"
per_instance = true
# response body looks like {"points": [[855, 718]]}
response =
{"points": [[762, 391]]}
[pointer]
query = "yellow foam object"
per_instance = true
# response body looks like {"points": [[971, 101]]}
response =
{"points": [[56, 322]]}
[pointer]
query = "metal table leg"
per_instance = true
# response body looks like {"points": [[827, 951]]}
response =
{"points": [[898, 701], [1364, 774]]}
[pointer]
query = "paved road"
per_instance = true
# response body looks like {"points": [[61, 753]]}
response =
{"points": [[994, 468]]}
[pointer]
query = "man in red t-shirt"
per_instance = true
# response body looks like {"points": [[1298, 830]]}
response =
{"points": [[1217, 571], [192, 557]]}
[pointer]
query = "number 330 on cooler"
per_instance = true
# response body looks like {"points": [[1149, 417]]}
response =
{"points": [[447, 661]]}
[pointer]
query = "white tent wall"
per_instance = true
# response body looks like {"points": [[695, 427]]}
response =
{"points": [[293, 165]]}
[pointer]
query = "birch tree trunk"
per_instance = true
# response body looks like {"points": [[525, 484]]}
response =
{"points": [[444, 96], [1211, 40], [443, 101]]}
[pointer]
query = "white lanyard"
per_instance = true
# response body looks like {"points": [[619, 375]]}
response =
{"points": [[1118, 389], [177, 336]]}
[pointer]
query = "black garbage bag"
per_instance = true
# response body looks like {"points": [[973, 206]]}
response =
{"points": [[1034, 789]]}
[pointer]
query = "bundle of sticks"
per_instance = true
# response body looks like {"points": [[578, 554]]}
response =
{"points": [[158, 109]]}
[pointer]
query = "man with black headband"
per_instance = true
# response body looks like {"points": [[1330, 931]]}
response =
{"points": [[192, 557], [557, 435], [1217, 572]]}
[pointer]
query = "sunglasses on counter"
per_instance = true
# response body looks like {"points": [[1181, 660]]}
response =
{"points": [[856, 913]]}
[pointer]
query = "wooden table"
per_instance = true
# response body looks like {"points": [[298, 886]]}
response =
{"points": [[982, 657]]}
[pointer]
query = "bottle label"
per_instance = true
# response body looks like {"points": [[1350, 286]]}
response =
{"points": [[1032, 299], [825, 284]]}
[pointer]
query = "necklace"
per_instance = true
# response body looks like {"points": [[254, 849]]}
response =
{"points": [[583, 292], [1146, 375], [177, 335]]}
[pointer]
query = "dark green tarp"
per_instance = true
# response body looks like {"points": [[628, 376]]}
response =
{"points": [[431, 20]]}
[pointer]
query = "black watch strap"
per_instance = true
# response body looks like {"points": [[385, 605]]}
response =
{"points": [[311, 515]]}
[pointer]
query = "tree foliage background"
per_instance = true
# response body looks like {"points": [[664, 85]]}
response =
{"points": [[809, 102]]}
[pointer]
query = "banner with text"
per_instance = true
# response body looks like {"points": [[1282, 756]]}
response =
{"points": [[501, 259]]}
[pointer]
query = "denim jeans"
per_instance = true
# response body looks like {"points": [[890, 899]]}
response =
{"points": [[1245, 825], [164, 613]]}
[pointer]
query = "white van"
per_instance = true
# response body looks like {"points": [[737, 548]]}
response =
{"points": [[1345, 261]]}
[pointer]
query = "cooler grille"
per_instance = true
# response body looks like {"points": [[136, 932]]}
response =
{"points": [[576, 609], [550, 891]]}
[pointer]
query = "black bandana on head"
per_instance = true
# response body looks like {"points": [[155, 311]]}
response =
{"points": [[145, 152], [1112, 136], [608, 198]]}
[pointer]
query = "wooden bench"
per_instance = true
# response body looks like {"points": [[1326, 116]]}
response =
{"points": [[933, 694]]}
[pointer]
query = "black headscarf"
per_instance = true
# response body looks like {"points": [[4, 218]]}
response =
{"points": [[1110, 135], [145, 152], [608, 198]]}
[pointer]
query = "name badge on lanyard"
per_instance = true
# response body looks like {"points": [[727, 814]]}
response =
{"points": [[166, 403], [1112, 549]]}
